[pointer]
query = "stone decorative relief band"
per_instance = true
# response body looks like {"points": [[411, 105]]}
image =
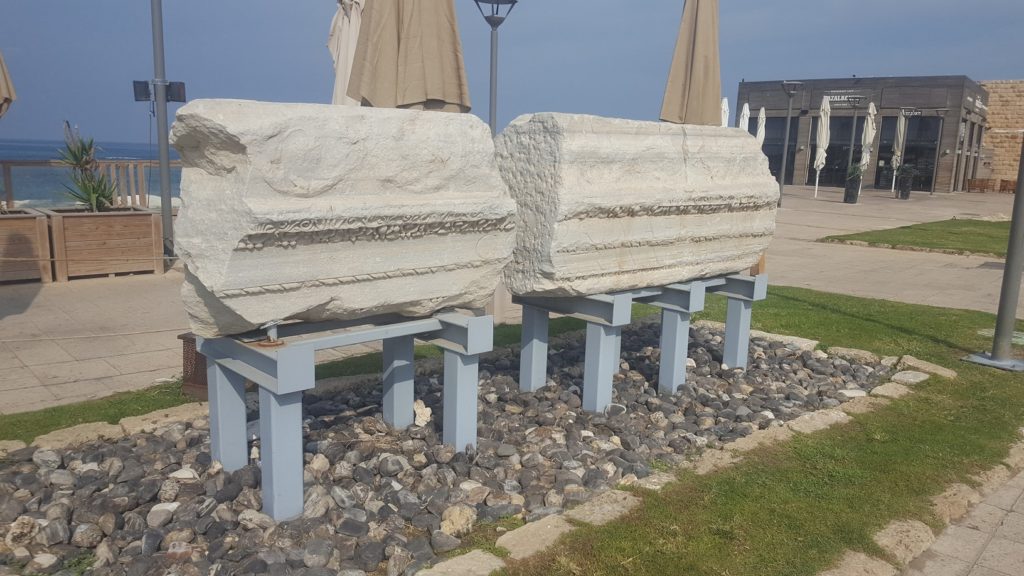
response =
{"points": [[607, 205], [333, 231], [319, 212]]}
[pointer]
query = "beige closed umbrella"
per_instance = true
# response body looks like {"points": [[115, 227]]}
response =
{"points": [[7, 94], [409, 56], [694, 92], [342, 43]]}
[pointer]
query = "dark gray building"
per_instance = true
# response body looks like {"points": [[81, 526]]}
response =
{"points": [[945, 129]]}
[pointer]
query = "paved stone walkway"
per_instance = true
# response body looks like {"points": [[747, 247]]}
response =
{"points": [[987, 542], [66, 342], [949, 281]]}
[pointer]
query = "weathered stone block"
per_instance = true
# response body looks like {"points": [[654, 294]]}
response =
{"points": [[317, 212], [607, 205]]}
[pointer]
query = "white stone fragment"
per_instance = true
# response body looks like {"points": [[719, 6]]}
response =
{"points": [[608, 204], [317, 212]]}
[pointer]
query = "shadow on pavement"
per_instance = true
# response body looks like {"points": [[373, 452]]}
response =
{"points": [[16, 261]]}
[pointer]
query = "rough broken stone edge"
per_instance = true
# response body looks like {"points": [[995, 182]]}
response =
{"points": [[129, 425], [969, 497], [803, 344]]}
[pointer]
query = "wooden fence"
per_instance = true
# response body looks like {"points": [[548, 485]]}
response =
{"points": [[130, 177]]}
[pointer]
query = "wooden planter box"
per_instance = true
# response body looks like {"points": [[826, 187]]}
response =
{"points": [[24, 246], [119, 241]]}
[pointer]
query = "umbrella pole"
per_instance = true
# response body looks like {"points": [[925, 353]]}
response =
{"points": [[894, 183], [817, 177]]}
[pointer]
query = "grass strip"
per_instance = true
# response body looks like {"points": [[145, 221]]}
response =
{"points": [[792, 510], [25, 426], [953, 236]]}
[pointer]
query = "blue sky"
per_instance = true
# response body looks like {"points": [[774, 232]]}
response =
{"points": [[75, 59]]}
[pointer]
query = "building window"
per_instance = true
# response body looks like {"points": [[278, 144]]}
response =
{"points": [[836, 161], [774, 139]]}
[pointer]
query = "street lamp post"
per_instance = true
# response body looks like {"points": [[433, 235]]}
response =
{"points": [[160, 92], [790, 88], [496, 13]]}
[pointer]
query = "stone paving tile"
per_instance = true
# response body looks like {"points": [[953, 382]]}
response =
{"points": [[8, 359], [934, 564], [1005, 497], [1004, 556], [63, 372], [35, 352], [982, 571], [28, 399], [146, 361], [94, 347], [534, 537], [961, 543], [985, 518], [17, 379], [1012, 528]]}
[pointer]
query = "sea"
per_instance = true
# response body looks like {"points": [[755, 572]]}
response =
{"points": [[45, 186]]}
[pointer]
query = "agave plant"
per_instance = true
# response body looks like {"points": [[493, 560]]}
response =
{"points": [[88, 185]]}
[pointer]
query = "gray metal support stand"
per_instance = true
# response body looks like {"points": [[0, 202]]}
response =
{"points": [[675, 338], [460, 392], [533, 359], [281, 443], [283, 371], [737, 333], [398, 381], [228, 444], [600, 364]]}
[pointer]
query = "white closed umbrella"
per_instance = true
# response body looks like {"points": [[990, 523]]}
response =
{"points": [[823, 139], [762, 119], [867, 140], [342, 43], [744, 121], [725, 112], [897, 147]]}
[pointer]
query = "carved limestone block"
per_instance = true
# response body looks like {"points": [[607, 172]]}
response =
{"points": [[608, 205], [317, 212]]}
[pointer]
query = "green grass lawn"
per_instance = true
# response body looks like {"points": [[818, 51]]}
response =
{"points": [[975, 236], [27, 425], [792, 510]]}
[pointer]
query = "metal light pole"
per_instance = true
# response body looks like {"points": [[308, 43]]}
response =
{"points": [[855, 102], [497, 12], [1010, 293], [790, 88], [160, 92]]}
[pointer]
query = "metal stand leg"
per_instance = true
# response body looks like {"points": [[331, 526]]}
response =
{"points": [[533, 359], [675, 338], [398, 381], [281, 441], [227, 416], [460, 390], [737, 333], [600, 364]]}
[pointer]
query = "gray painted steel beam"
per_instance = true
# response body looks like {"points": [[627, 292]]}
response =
{"points": [[281, 453], [533, 358], [737, 333], [600, 364], [675, 339], [398, 382], [460, 396], [227, 416]]}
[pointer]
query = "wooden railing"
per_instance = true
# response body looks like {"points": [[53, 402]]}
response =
{"points": [[129, 178]]}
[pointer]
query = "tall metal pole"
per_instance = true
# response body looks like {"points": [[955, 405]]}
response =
{"points": [[160, 89], [1011, 274], [1009, 295], [785, 150], [494, 78], [853, 135]]}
